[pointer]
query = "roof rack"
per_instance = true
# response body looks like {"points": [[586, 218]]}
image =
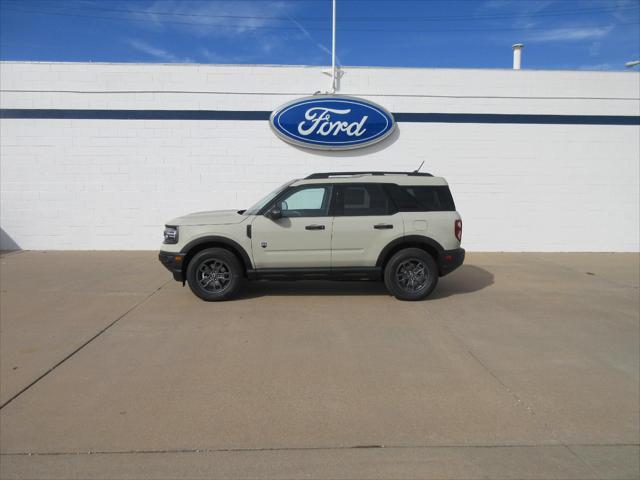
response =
{"points": [[349, 174]]}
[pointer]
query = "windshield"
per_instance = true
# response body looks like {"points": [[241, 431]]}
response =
{"points": [[262, 203]]}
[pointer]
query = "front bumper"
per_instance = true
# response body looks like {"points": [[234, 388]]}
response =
{"points": [[173, 262], [449, 260]]}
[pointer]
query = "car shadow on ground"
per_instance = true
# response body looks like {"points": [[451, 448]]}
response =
{"points": [[466, 279]]}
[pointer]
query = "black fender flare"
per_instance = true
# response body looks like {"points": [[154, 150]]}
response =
{"points": [[246, 259], [409, 239]]}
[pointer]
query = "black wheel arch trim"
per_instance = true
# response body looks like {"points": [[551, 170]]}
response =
{"points": [[246, 259], [408, 239]]}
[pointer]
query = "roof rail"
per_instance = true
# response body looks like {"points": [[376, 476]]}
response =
{"points": [[375, 173]]}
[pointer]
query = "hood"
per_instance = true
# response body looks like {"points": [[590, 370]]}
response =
{"points": [[213, 217]]}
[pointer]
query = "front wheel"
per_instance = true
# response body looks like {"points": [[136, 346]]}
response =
{"points": [[411, 274], [214, 274]]}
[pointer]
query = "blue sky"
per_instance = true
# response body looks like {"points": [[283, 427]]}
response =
{"points": [[558, 34]]}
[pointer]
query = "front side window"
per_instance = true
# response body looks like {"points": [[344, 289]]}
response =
{"points": [[262, 203], [365, 199], [306, 202]]}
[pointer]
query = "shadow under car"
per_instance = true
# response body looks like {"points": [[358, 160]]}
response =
{"points": [[466, 279]]}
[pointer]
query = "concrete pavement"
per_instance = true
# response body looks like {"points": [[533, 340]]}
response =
{"points": [[519, 366]]}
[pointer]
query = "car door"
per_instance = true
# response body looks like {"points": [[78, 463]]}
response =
{"points": [[365, 221], [301, 238]]}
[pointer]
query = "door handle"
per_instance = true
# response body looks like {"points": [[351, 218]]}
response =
{"points": [[383, 226], [314, 227]]}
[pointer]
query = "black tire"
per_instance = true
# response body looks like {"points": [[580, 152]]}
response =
{"points": [[405, 285], [215, 274]]}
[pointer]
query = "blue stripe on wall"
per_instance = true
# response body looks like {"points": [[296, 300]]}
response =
{"points": [[134, 114], [26, 113], [517, 118]]}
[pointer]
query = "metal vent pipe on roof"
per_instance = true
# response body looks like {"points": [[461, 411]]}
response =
{"points": [[517, 55]]}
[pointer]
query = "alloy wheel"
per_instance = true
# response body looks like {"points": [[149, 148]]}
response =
{"points": [[214, 275], [412, 275]]}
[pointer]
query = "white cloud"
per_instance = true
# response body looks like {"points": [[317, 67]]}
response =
{"points": [[156, 52], [220, 18], [569, 34], [599, 66], [623, 12], [224, 19], [491, 4], [307, 35], [522, 11], [211, 56]]}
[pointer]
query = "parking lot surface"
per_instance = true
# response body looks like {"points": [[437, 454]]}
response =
{"points": [[518, 366]]}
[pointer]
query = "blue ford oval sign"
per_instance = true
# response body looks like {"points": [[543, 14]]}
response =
{"points": [[332, 122]]}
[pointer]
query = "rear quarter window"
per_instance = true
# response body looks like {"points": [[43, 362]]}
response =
{"points": [[422, 198]]}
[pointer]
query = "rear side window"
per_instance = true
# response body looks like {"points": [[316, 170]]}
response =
{"points": [[364, 199], [432, 198]]}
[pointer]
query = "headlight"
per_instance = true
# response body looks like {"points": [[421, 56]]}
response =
{"points": [[170, 234]]}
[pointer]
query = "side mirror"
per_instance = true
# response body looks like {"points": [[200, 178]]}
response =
{"points": [[275, 213]]}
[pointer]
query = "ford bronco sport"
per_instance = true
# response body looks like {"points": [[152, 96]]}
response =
{"points": [[401, 227]]}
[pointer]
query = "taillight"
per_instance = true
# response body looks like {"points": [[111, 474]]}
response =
{"points": [[458, 229]]}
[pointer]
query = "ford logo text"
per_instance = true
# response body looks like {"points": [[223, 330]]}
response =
{"points": [[332, 122]]}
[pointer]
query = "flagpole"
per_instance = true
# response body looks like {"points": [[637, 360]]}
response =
{"points": [[333, 50]]}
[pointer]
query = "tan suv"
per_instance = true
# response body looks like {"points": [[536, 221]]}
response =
{"points": [[402, 227]]}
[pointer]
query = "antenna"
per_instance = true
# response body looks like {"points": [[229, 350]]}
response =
{"points": [[418, 169]]}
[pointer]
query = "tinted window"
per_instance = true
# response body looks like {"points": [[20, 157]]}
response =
{"points": [[405, 201], [364, 200], [306, 202], [422, 198]]}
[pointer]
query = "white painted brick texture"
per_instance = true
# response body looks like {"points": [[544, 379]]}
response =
{"points": [[111, 184]]}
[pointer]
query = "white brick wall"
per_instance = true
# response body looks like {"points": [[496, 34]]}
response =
{"points": [[111, 184]]}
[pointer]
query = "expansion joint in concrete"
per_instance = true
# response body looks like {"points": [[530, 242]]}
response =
{"points": [[79, 348]]}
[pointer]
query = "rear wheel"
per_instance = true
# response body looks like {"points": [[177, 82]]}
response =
{"points": [[411, 274], [214, 274]]}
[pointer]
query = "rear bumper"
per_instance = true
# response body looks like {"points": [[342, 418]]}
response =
{"points": [[449, 260], [173, 262]]}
